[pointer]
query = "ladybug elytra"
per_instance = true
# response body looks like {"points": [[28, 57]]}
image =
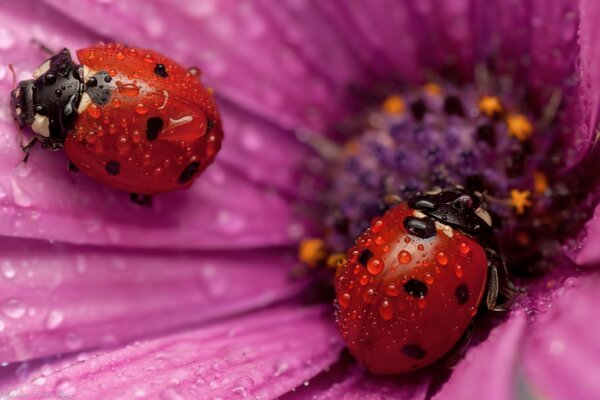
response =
{"points": [[129, 118], [413, 282]]}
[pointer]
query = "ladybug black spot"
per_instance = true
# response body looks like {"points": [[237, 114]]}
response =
{"points": [[365, 256], [113, 167], [415, 288], [420, 227], [413, 351], [462, 294], [153, 127], [188, 172], [161, 70], [453, 106], [209, 124], [418, 109]]}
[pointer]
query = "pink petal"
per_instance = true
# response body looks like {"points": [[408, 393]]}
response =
{"points": [[561, 353], [57, 298], [350, 381], [488, 370], [585, 250], [262, 355]]}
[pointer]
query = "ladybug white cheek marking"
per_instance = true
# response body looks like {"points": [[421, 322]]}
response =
{"points": [[41, 125], [484, 215], [447, 230], [42, 69], [84, 103]]}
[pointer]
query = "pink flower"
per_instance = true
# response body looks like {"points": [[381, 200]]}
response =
{"points": [[195, 298]]}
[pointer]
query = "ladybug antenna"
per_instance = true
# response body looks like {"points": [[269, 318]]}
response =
{"points": [[14, 75]]}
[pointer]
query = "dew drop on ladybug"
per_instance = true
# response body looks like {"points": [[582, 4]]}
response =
{"points": [[393, 314], [126, 105]]}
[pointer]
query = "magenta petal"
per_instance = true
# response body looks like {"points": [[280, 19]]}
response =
{"points": [[488, 369], [263, 355], [57, 298], [587, 251], [561, 353]]}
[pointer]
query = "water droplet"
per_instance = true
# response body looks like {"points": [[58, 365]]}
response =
{"points": [[14, 308], [379, 240], [344, 300], [464, 249], [375, 265], [441, 258], [421, 247], [364, 279], [428, 279], [407, 239], [244, 384], [141, 109], [377, 225], [386, 311], [369, 295], [7, 40], [458, 271], [94, 111], [404, 257], [116, 103], [8, 270], [120, 56], [64, 389], [2, 325], [128, 89], [171, 393], [392, 290], [20, 197], [422, 303], [140, 393], [73, 341], [54, 319]]}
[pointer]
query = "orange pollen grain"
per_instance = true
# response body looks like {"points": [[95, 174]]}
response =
{"points": [[490, 106], [519, 199], [393, 105], [519, 127], [540, 182], [312, 252]]}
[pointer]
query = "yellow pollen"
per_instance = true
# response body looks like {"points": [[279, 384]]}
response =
{"points": [[335, 260], [519, 199], [393, 105], [540, 182], [519, 127], [491, 106], [312, 252], [432, 89]]}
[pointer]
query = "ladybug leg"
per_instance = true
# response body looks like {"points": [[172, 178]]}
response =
{"points": [[141, 199], [72, 167], [27, 148], [497, 282], [43, 47]]}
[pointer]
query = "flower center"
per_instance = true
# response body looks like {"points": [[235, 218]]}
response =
{"points": [[440, 136]]}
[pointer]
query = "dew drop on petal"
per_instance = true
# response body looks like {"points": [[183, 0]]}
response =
{"points": [[14, 308], [64, 389], [54, 319], [8, 270]]}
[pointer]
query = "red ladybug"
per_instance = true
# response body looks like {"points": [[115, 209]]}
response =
{"points": [[415, 279], [128, 117]]}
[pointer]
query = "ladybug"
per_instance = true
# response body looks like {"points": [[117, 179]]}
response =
{"points": [[412, 283], [129, 118]]}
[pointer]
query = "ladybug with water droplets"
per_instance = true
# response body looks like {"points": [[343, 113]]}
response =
{"points": [[410, 287], [129, 118]]}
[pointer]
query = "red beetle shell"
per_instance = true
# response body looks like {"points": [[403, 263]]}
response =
{"points": [[158, 129], [405, 301]]}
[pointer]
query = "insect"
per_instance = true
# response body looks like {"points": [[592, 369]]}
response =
{"points": [[129, 118], [415, 279]]}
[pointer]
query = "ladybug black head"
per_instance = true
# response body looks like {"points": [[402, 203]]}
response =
{"points": [[48, 104], [456, 207]]}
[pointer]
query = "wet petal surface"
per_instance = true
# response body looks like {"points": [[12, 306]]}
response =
{"points": [[58, 298], [262, 355]]}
